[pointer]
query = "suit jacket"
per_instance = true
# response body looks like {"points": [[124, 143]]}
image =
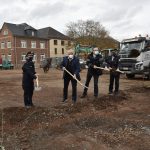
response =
{"points": [[91, 61], [75, 66], [113, 61]]}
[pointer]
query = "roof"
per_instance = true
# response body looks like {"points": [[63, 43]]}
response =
{"points": [[51, 33], [19, 29], [46, 33]]}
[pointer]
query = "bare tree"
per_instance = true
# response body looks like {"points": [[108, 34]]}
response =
{"points": [[86, 28], [89, 32]]}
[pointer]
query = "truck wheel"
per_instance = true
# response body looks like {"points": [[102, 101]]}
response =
{"points": [[130, 76]]}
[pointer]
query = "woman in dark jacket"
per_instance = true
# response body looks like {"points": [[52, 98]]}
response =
{"points": [[28, 79]]}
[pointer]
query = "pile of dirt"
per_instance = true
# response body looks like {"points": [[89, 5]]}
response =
{"points": [[25, 127]]}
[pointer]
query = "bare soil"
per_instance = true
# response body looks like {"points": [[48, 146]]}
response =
{"points": [[110, 122]]}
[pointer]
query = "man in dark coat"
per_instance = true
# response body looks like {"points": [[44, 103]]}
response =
{"points": [[28, 79], [71, 63], [113, 63], [94, 59]]}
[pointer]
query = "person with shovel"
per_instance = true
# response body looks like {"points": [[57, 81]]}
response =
{"points": [[71, 67], [113, 63], [28, 79], [94, 60]]}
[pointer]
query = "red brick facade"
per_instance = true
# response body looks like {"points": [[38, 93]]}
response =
{"points": [[16, 51]]}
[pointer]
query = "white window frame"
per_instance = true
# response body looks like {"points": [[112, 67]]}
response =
{"points": [[33, 33], [35, 58], [23, 44], [5, 32], [2, 45], [23, 57], [42, 45], [3, 56], [42, 57], [9, 56], [8, 44], [33, 44]]}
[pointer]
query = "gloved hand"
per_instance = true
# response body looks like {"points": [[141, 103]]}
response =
{"points": [[94, 66], [91, 65], [74, 76]]}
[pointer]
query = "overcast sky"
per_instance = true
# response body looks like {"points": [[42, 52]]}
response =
{"points": [[122, 18]]}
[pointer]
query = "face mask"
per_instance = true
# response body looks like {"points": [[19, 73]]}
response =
{"points": [[96, 52], [114, 54], [70, 56]]}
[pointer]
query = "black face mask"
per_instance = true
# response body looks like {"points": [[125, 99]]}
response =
{"points": [[30, 58], [114, 54]]}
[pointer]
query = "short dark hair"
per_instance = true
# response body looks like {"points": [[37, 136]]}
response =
{"points": [[30, 53]]}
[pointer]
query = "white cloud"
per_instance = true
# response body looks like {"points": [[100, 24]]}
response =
{"points": [[121, 18]]}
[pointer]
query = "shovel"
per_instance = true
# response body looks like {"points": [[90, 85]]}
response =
{"points": [[101, 68], [37, 88], [75, 78]]}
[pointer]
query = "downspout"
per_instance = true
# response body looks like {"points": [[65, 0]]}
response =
{"points": [[48, 47], [16, 62]]}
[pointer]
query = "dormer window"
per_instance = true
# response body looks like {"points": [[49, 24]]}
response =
{"points": [[5, 32], [33, 33]]}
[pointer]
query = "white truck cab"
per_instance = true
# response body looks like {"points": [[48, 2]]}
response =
{"points": [[135, 56]]}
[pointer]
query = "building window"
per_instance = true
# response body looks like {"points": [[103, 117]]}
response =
{"points": [[8, 44], [69, 43], [55, 51], [62, 43], [42, 45], [3, 57], [23, 57], [2, 45], [23, 44], [62, 50], [5, 32], [33, 33], [33, 44], [35, 57], [42, 57], [9, 57], [55, 42]]}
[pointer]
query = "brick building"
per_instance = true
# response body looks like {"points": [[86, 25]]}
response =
{"points": [[17, 39]]}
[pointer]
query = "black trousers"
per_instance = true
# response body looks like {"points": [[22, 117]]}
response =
{"points": [[67, 79], [114, 76], [28, 93], [88, 79]]}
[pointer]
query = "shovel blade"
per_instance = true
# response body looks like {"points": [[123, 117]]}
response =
{"points": [[37, 88]]}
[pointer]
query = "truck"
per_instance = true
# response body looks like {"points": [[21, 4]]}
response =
{"points": [[135, 56]]}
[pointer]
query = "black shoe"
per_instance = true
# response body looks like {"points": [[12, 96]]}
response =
{"points": [[64, 100], [110, 93], [116, 92], [73, 103], [28, 107], [83, 96]]}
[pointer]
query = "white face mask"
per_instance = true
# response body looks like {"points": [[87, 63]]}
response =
{"points": [[96, 52], [70, 56]]}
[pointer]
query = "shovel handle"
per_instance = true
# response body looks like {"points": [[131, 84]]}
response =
{"points": [[75, 78], [101, 68]]}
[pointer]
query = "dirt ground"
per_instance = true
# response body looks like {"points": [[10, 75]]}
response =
{"points": [[111, 122]]}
